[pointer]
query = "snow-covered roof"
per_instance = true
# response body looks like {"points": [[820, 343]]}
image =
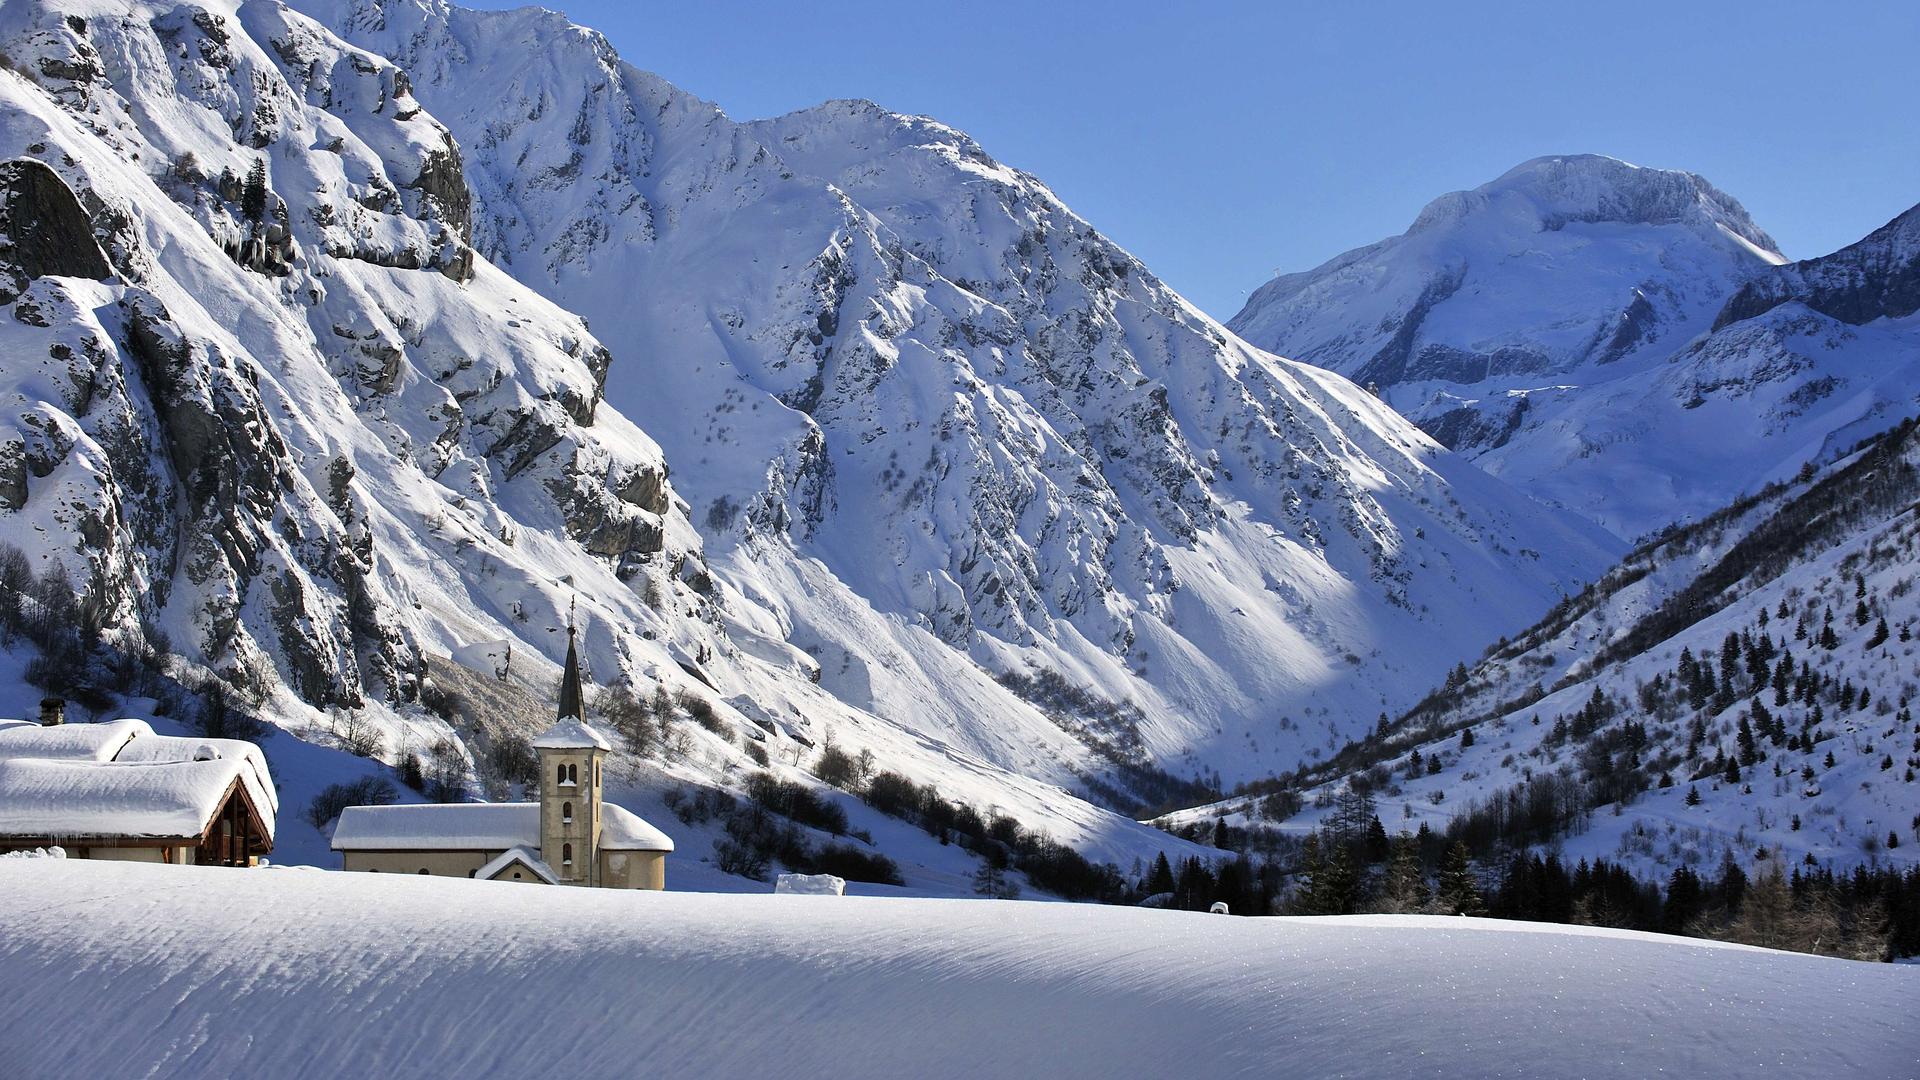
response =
{"points": [[526, 857], [478, 827], [175, 748], [438, 827], [133, 741], [571, 734], [623, 830], [66, 799], [71, 742]]}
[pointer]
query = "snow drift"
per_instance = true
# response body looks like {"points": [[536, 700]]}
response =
{"points": [[293, 973]]}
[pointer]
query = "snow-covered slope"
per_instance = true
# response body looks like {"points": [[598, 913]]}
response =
{"points": [[1547, 325], [943, 436], [321, 975], [298, 433], [1741, 688]]}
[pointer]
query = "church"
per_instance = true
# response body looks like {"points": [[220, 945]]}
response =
{"points": [[571, 836]]}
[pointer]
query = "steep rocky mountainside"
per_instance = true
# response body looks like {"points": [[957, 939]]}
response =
{"points": [[999, 482], [1879, 277], [1617, 340], [255, 373], [1738, 688], [274, 418]]}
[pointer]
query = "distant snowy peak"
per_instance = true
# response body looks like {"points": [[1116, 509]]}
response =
{"points": [[1592, 188], [1878, 277], [1605, 337], [1562, 261]]}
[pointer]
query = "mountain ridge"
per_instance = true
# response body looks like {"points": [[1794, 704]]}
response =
{"points": [[942, 363], [1604, 336]]}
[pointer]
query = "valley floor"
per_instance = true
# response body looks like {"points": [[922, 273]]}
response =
{"points": [[122, 970]]}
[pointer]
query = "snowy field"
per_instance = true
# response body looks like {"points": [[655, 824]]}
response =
{"points": [[162, 971]]}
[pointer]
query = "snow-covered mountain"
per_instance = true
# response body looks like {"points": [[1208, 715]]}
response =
{"points": [[1735, 689], [267, 410], [295, 389], [958, 447], [1549, 325]]}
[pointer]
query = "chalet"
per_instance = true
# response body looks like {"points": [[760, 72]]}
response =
{"points": [[571, 836], [118, 790]]}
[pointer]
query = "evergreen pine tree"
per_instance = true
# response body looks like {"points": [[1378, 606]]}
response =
{"points": [[1459, 891], [1332, 890], [1160, 878], [253, 197], [1403, 890], [1684, 894], [1375, 840]]}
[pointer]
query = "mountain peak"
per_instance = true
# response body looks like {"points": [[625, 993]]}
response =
{"points": [[1561, 189]]}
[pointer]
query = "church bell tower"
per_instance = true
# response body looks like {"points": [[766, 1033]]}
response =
{"points": [[572, 756]]}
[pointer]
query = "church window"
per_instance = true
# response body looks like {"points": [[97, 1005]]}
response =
{"points": [[566, 812], [566, 854], [561, 774]]}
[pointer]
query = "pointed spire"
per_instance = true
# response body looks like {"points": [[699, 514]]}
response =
{"points": [[572, 703]]}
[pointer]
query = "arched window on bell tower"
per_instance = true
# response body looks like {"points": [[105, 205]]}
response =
{"points": [[566, 813]]}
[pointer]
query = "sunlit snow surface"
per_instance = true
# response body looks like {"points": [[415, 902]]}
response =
{"points": [[159, 971]]}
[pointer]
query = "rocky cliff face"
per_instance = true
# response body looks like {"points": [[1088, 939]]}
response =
{"points": [[1877, 278], [940, 427], [257, 381]]}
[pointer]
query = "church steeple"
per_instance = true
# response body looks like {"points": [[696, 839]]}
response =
{"points": [[571, 752], [572, 703]]}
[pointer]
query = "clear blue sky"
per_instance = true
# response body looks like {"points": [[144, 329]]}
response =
{"points": [[1223, 141]]}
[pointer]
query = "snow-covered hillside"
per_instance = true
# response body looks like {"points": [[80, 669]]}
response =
{"points": [[295, 974], [1549, 324], [269, 413], [956, 446], [1741, 689]]}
